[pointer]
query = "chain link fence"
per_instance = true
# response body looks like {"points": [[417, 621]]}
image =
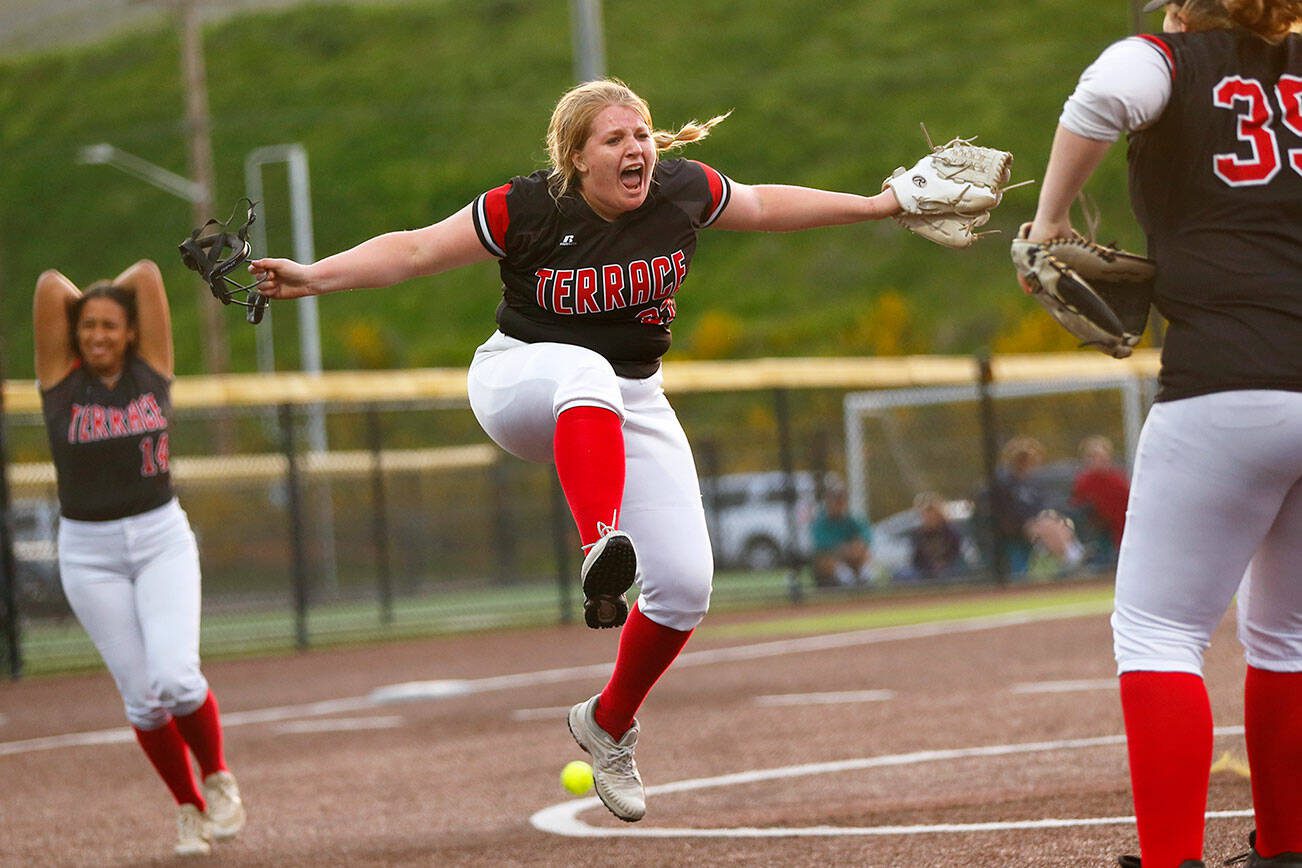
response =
{"points": [[412, 523]]}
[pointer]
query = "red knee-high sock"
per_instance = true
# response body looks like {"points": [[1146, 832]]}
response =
{"points": [[589, 451], [1272, 717], [645, 651], [1169, 736], [166, 750], [202, 731]]}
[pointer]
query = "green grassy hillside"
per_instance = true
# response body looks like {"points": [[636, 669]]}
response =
{"points": [[408, 112]]}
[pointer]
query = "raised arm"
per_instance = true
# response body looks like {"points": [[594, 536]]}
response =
{"points": [[55, 354], [153, 318], [782, 208], [381, 261]]}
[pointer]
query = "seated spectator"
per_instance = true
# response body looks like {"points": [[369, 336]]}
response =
{"points": [[937, 548], [841, 541], [1055, 549], [1100, 494], [1022, 523], [1015, 499]]}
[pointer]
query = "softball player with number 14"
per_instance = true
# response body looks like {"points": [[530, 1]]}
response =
{"points": [[127, 556]]}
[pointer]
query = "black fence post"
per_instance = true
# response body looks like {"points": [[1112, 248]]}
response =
{"points": [[504, 529], [707, 457], [380, 515], [990, 452], [296, 536], [786, 462], [818, 460], [8, 566], [561, 524]]}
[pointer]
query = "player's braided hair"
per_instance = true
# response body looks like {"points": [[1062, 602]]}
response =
{"points": [[1271, 20], [572, 121]]}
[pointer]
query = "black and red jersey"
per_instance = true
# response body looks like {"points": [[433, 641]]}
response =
{"points": [[110, 446], [571, 277], [1216, 183]]}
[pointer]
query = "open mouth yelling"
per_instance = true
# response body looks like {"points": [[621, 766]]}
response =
{"points": [[631, 178]]}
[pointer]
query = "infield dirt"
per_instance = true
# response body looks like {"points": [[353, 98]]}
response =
{"points": [[454, 781]]}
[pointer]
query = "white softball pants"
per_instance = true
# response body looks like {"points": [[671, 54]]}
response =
{"points": [[517, 390], [1216, 500], [133, 583]]}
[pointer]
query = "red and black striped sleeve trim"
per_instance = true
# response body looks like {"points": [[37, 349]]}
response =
{"points": [[1160, 44], [720, 192], [492, 218]]}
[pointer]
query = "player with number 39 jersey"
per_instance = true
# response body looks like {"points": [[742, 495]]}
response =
{"points": [[1216, 183], [1213, 109]]}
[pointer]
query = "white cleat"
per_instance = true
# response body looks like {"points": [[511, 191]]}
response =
{"points": [[193, 838], [608, 571], [225, 808], [614, 771]]}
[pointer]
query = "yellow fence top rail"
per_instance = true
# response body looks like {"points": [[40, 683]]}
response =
{"points": [[680, 377], [268, 467]]}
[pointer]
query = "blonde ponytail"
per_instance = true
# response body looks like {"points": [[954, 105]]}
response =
{"points": [[690, 132]]}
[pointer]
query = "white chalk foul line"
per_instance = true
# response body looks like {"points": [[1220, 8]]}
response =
{"points": [[863, 831], [341, 724], [123, 734], [117, 735], [833, 698], [1065, 686], [443, 689], [556, 712], [419, 690], [563, 819]]}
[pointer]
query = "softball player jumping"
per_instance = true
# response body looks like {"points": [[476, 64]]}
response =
{"points": [[127, 556], [1214, 112], [592, 254]]}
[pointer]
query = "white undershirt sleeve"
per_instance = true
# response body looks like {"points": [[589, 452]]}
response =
{"points": [[1124, 90]]}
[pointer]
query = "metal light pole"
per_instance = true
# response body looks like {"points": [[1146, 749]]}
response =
{"points": [[216, 345], [107, 155], [300, 215], [1136, 16], [9, 614], [309, 327], [215, 348], [199, 187], [589, 43]]}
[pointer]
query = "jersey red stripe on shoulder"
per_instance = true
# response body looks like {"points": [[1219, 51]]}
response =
{"points": [[1160, 44], [492, 219], [720, 192]]}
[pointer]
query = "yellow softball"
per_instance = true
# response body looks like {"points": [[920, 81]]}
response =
{"points": [[577, 777]]}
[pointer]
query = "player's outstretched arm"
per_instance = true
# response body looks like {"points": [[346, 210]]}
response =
{"points": [[153, 318], [381, 261], [782, 208], [1072, 160], [55, 354]]}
